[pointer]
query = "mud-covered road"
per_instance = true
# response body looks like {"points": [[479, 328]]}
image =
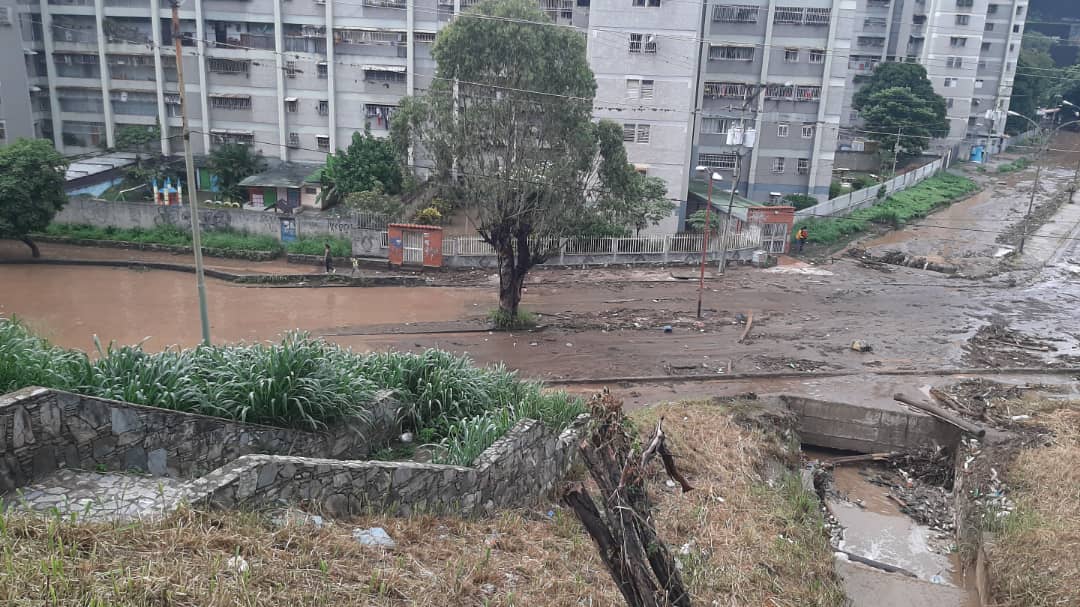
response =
{"points": [[610, 323]]}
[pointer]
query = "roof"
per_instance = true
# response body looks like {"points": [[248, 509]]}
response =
{"points": [[286, 175], [414, 226], [721, 197], [87, 167]]}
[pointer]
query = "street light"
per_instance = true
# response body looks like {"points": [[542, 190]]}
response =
{"points": [[1038, 166], [714, 176]]}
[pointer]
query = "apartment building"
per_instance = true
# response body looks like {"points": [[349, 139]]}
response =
{"points": [[757, 90], [968, 47]]}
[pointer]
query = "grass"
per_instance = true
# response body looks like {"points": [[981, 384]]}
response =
{"points": [[762, 545], [1033, 562], [505, 321], [313, 245], [298, 382], [1017, 165], [913, 203], [227, 240]]}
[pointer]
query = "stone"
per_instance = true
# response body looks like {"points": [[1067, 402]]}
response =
{"points": [[124, 420], [135, 459], [50, 419], [267, 475], [337, 505], [81, 430], [237, 564], [44, 461], [22, 433], [375, 536], [157, 462], [103, 447]]}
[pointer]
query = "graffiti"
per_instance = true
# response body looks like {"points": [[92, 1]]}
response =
{"points": [[367, 242], [180, 217], [337, 226]]}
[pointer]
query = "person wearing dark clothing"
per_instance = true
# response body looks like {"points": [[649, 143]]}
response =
{"points": [[328, 259], [801, 237]]}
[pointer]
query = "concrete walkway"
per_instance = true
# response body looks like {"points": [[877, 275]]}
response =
{"points": [[98, 496]]}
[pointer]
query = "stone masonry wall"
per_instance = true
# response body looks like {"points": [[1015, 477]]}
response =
{"points": [[42, 430], [516, 470]]}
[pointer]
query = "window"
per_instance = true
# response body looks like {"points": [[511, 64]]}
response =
{"points": [[817, 55], [803, 166], [731, 53], [224, 136], [736, 13], [3, 130], [963, 19], [649, 3], [956, 41], [291, 105], [954, 62], [424, 37], [989, 27], [807, 93], [323, 107], [985, 46], [322, 142], [791, 55], [875, 23], [978, 83], [871, 41], [290, 69], [321, 69], [716, 90], [788, 14], [782, 129], [294, 140], [818, 16], [227, 66], [643, 43], [230, 102], [639, 89], [311, 190], [718, 161], [777, 165], [950, 83], [964, 3], [1012, 47], [636, 133], [1020, 10], [384, 76], [1016, 29], [982, 65], [991, 9], [1009, 66], [949, 103], [807, 131], [715, 126]]}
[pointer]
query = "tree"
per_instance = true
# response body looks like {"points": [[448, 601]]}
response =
{"points": [[889, 75], [136, 138], [898, 109], [800, 201], [31, 188], [231, 163], [1036, 76], [517, 138], [625, 197], [696, 221], [369, 164]]}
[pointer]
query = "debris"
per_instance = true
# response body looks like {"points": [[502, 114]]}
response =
{"points": [[866, 457], [943, 415], [375, 536], [407, 437], [749, 323], [861, 346], [297, 518], [237, 564], [876, 564], [668, 329]]}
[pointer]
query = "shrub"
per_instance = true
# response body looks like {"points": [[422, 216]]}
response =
{"points": [[428, 216], [800, 201], [374, 201], [313, 245], [501, 320], [1017, 165], [227, 240]]}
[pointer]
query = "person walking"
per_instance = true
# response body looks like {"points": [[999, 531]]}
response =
{"points": [[328, 259], [801, 237]]}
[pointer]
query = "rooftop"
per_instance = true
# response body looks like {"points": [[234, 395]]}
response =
{"points": [[87, 167], [286, 175]]}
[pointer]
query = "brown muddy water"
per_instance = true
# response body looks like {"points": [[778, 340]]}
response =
{"points": [[69, 305]]}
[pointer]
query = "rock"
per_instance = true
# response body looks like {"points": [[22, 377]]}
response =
{"points": [[407, 437], [668, 329], [861, 346], [487, 588], [237, 564], [375, 536]]}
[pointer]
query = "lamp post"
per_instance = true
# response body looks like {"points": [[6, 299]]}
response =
{"points": [[1038, 167], [713, 176]]}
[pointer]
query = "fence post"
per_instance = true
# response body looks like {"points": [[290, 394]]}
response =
{"points": [[562, 251], [667, 246]]}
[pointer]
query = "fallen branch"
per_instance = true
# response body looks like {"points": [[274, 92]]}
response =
{"points": [[877, 564], [866, 457], [943, 415], [749, 323]]}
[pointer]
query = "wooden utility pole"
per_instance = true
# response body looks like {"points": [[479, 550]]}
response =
{"points": [[189, 163]]}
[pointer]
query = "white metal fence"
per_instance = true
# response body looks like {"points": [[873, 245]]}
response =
{"points": [[868, 197]]}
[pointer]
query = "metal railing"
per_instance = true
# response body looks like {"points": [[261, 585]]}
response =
{"points": [[748, 236]]}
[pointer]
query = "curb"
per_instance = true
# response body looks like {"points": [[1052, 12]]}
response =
{"points": [[701, 377]]}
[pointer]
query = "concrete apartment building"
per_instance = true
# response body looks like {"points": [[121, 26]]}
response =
{"points": [[692, 82]]}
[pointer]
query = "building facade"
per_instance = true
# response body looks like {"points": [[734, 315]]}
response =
{"points": [[757, 90]]}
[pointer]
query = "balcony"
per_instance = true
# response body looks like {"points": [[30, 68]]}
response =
{"points": [[918, 30]]}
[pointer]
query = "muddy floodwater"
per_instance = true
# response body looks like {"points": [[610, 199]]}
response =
{"points": [[70, 305]]}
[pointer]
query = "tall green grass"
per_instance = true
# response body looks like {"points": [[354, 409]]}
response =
{"points": [[229, 240], [912, 203], [298, 382], [313, 245]]}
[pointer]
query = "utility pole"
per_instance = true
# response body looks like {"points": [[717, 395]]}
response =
{"points": [[196, 240], [896, 151], [727, 220], [1034, 188], [704, 244]]}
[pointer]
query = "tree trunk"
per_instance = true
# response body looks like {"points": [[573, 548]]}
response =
{"points": [[33, 246], [511, 279]]}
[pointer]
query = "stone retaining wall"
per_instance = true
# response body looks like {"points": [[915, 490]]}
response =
{"points": [[42, 430], [516, 470]]}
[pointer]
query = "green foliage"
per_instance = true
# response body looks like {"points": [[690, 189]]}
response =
{"points": [[313, 245], [428, 216], [696, 221], [917, 118], [227, 240], [836, 188], [369, 164], [799, 201], [299, 382], [31, 186], [901, 207], [137, 138], [1017, 165], [232, 163], [891, 74], [374, 201], [522, 320], [1035, 82], [626, 198]]}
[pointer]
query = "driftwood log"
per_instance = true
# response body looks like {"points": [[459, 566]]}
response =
{"points": [[943, 415], [642, 566]]}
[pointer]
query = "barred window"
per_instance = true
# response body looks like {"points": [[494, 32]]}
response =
{"points": [[230, 102], [322, 142], [715, 126], [227, 66], [788, 14], [716, 90], [323, 107], [424, 37], [808, 93], [778, 165], [290, 69], [956, 41], [385, 76], [817, 55], [294, 140], [807, 131], [736, 13], [731, 53], [818, 16], [637, 89], [954, 62], [636, 133], [782, 129], [803, 166], [791, 55], [718, 161]]}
